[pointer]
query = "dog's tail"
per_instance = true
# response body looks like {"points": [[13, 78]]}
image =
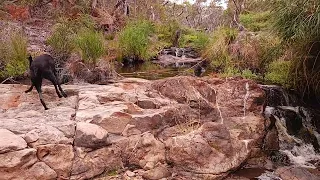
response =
{"points": [[30, 60]]}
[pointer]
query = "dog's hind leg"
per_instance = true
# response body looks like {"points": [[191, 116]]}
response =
{"points": [[58, 84], [30, 89], [53, 80], [38, 87]]}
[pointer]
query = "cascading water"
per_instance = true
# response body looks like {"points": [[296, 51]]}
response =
{"points": [[297, 126]]}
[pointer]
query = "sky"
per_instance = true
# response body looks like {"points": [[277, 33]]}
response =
{"points": [[223, 2]]}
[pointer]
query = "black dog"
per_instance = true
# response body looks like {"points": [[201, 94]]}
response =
{"points": [[43, 67]]}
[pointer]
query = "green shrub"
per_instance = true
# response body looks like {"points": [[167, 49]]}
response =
{"points": [[278, 72], [217, 49], [16, 62], [196, 39], [231, 71], [297, 20], [90, 44], [255, 51], [297, 23], [134, 40], [62, 38], [248, 74], [166, 31], [255, 21]]}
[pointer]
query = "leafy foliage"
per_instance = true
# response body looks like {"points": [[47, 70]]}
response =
{"points": [[90, 44], [196, 39], [278, 72], [255, 21], [247, 73], [166, 31], [15, 52], [134, 40], [217, 49], [62, 38], [297, 20], [297, 23]]}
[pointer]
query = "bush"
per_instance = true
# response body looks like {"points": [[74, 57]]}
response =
{"points": [[255, 21], [90, 44], [296, 20], [166, 31], [62, 38], [248, 74], [195, 39], [255, 52], [231, 71], [216, 51], [134, 40], [297, 23], [278, 72], [15, 54]]}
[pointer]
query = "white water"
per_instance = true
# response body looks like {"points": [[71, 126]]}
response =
{"points": [[246, 142], [268, 176], [299, 153], [302, 155], [245, 99]]}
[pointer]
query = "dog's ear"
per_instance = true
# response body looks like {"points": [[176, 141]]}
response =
{"points": [[30, 59]]}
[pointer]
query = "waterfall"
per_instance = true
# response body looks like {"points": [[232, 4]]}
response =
{"points": [[298, 127]]}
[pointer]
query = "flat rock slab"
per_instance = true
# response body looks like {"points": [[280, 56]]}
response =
{"points": [[193, 123]]}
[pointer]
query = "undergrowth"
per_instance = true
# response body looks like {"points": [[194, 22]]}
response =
{"points": [[134, 40], [14, 54], [90, 44]]}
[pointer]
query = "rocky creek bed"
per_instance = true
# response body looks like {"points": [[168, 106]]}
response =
{"points": [[174, 128]]}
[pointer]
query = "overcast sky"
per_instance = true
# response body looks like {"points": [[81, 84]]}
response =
{"points": [[223, 2]]}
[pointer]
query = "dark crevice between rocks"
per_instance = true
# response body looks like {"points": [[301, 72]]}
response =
{"points": [[73, 118]]}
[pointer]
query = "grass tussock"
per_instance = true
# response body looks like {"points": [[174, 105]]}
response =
{"points": [[134, 40], [195, 39], [256, 21], [217, 49], [14, 56], [278, 72], [90, 45], [297, 23], [64, 33]]}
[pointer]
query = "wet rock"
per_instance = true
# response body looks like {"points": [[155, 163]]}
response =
{"points": [[271, 141], [173, 61], [289, 173]]}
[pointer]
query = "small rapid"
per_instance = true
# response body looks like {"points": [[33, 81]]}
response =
{"points": [[297, 127]]}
